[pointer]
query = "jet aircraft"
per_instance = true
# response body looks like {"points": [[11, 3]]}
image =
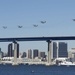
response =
{"points": [[4, 27], [43, 22], [20, 26], [35, 25], [73, 19]]}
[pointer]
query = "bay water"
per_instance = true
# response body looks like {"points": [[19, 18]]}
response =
{"points": [[9, 69]]}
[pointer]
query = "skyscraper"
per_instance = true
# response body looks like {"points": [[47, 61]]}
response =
{"points": [[1, 54], [17, 50], [54, 50], [11, 50], [60, 49], [30, 54], [35, 53]]}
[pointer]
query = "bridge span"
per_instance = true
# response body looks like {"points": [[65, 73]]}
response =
{"points": [[47, 39], [37, 38]]}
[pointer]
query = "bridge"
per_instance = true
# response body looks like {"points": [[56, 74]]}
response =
{"points": [[37, 38], [47, 39]]}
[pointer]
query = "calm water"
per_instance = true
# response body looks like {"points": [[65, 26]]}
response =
{"points": [[36, 70]]}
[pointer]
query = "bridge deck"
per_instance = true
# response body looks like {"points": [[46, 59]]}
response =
{"points": [[37, 38]]}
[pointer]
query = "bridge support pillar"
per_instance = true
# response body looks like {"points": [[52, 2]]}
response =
{"points": [[49, 52], [15, 53]]}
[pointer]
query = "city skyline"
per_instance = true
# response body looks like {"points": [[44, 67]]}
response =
{"points": [[57, 50], [10, 47], [44, 46]]}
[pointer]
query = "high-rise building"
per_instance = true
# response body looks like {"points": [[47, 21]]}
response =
{"points": [[30, 54], [55, 50], [11, 50], [60, 49], [17, 50], [42, 54], [1, 54], [35, 53]]}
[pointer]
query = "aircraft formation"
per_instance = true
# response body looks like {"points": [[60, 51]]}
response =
{"points": [[43, 22], [20, 26], [4, 27]]}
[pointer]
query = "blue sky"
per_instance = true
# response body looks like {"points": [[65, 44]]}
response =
{"points": [[57, 13]]}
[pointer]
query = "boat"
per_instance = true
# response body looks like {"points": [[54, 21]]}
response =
{"points": [[64, 61]]}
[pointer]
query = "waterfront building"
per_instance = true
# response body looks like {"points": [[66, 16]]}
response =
{"points": [[5, 54], [11, 50], [24, 55], [17, 50], [30, 53], [42, 54], [60, 50], [1, 54], [55, 55], [35, 53], [71, 54]]}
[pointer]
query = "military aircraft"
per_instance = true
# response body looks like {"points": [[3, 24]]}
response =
{"points": [[20, 26], [35, 25], [73, 19], [43, 22], [4, 27]]}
